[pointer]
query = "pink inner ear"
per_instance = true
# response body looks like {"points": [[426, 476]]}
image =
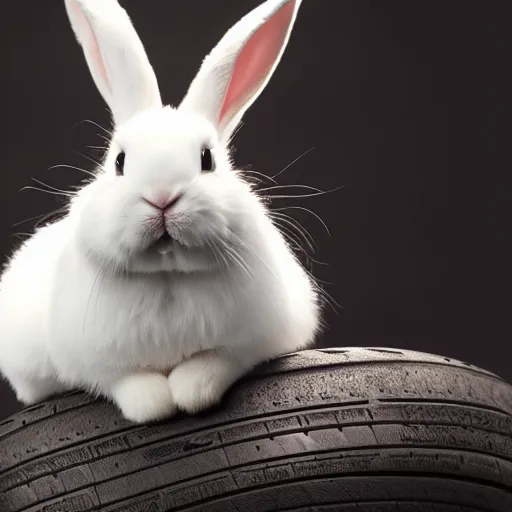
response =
{"points": [[256, 59], [92, 43]]}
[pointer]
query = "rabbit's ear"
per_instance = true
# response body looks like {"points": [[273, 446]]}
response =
{"points": [[115, 56], [234, 74]]}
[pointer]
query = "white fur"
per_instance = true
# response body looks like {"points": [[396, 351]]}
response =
{"points": [[124, 75], [207, 90], [84, 303]]}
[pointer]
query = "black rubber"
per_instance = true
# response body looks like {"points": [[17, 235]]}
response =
{"points": [[321, 430]]}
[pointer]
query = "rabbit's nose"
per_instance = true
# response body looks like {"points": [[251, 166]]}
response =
{"points": [[162, 201]]}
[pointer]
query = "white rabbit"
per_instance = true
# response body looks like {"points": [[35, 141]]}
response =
{"points": [[167, 280]]}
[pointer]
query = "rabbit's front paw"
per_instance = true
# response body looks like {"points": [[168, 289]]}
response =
{"points": [[144, 397], [200, 382]]}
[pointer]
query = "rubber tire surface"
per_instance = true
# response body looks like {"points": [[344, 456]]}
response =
{"points": [[320, 430]]}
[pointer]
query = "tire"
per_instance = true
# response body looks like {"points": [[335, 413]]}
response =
{"points": [[321, 430]]}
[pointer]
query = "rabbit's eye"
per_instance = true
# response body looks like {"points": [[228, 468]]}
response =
{"points": [[120, 164], [207, 164]]}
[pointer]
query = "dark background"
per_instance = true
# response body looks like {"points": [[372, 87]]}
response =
{"points": [[403, 104]]}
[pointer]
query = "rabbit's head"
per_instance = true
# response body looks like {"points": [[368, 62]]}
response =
{"points": [[166, 196]]}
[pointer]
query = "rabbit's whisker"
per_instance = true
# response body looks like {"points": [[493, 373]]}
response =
{"points": [[42, 217], [98, 164], [21, 235], [261, 175], [280, 187], [293, 224], [306, 210], [293, 163], [251, 249], [28, 187], [90, 173], [90, 121], [237, 258], [314, 194], [51, 187]]}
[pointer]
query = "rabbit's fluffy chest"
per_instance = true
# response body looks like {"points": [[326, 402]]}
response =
{"points": [[154, 321]]}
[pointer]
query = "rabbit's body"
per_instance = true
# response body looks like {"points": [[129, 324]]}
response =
{"points": [[25, 291], [167, 280], [91, 328]]}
